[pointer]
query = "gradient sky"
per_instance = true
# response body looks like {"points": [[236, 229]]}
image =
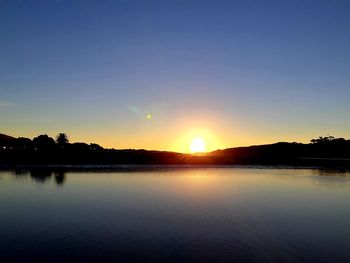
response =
{"points": [[233, 72]]}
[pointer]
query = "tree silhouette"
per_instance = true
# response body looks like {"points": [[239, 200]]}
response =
{"points": [[324, 139], [62, 139], [95, 147], [23, 144], [43, 143]]}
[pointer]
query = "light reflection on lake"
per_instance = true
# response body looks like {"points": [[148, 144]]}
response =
{"points": [[175, 215]]}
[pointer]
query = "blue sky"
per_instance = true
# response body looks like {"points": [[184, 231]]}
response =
{"points": [[242, 72]]}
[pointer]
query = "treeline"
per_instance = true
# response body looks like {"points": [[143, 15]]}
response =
{"points": [[322, 151], [47, 150], [44, 143]]}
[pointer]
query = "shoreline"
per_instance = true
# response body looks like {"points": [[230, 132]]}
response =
{"points": [[153, 167]]}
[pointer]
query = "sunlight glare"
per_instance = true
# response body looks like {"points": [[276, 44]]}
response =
{"points": [[197, 145]]}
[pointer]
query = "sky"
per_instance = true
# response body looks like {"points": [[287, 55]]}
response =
{"points": [[156, 74]]}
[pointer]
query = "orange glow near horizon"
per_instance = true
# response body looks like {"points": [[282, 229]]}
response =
{"points": [[197, 140], [167, 133]]}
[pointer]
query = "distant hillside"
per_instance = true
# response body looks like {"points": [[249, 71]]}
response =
{"points": [[6, 139], [327, 152], [335, 148]]}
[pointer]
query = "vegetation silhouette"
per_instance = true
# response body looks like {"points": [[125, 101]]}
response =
{"points": [[43, 150], [62, 140], [44, 143]]}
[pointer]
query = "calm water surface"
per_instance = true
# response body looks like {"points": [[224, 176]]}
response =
{"points": [[175, 215]]}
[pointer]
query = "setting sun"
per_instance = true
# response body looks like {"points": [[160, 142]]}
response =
{"points": [[197, 145]]}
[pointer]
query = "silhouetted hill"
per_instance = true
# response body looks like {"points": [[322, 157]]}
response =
{"points": [[44, 150], [334, 152], [6, 139]]}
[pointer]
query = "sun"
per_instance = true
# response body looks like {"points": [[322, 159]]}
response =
{"points": [[198, 145]]}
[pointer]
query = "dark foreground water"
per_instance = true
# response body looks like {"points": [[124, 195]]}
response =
{"points": [[175, 215]]}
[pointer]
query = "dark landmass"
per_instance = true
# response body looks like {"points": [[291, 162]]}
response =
{"points": [[44, 150]]}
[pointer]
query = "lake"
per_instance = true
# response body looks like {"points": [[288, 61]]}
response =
{"points": [[175, 214]]}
